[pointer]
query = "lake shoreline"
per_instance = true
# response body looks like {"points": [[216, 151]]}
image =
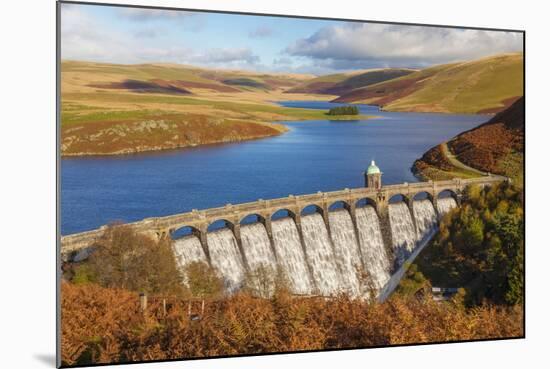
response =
{"points": [[167, 148]]}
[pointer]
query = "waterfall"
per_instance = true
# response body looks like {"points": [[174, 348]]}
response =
{"points": [[260, 258], [320, 255], [425, 217], [444, 205], [187, 250], [402, 229], [226, 258], [290, 254], [346, 250], [375, 258], [342, 261]]}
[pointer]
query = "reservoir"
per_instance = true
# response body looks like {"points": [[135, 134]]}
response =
{"points": [[312, 156]]}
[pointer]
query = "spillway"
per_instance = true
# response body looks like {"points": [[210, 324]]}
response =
{"points": [[259, 257], [188, 250], [444, 205], [375, 257], [346, 250], [320, 255], [426, 219], [402, 231], [349, 256], [226, 258], [292, 260]]}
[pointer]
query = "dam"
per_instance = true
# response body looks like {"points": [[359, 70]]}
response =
{"points": [[354, 241]]}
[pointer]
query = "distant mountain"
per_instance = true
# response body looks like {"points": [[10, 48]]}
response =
{"points": [[175, 79], [338, 84], [486, 85]]}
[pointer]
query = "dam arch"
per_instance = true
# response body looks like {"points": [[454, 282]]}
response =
{"points": [[365, 201], [220, 224], [311, 209], [252, 218], [340, 204], [399, 197], [184, 231], [283, 213], [423, 195], [447, 192]]}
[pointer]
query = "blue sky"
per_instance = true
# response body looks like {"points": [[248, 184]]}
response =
{"points": [[260, 43]]}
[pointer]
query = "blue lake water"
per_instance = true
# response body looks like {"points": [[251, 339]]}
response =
{"points": [[313, 156]]}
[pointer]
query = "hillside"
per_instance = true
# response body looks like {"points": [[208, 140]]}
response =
{"points": [[486, 85], [338, 84], [111, 109], [496, 146], [105, 325]]}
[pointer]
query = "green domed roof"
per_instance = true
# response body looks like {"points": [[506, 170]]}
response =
{"points": [[373, 169]]}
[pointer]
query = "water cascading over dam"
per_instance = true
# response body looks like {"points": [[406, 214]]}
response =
{"points": [[291, 256], [349, 255], [376, 259], [346, 251], [226, 258], [402, 231]]}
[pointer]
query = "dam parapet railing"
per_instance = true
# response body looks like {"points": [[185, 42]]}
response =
{"points": [[199, 220]]}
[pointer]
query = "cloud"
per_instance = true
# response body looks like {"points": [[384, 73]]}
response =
{"points": [[228, 55], [361, 45], [139, 15], [83, 37], [261, 32]]}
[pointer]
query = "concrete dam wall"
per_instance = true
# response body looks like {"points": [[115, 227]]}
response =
{"points": [[347, 255]]}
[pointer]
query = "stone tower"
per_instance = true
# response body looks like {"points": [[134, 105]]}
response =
{"points": [[373, 177]]}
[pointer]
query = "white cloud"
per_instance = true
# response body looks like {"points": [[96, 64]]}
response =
{"points": [[84, 38], [360, 45]]}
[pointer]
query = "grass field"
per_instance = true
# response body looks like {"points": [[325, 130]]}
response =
{"points": [[117, 109]]}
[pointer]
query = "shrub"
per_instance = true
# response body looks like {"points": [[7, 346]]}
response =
{"points": [[101, 325], [344, 110], [128, 260]]}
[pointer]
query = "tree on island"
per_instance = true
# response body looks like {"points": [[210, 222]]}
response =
{"points": [[344, 110]]}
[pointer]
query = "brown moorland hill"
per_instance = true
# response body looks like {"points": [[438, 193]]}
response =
{"points": [[495, 146], [487, 146]]}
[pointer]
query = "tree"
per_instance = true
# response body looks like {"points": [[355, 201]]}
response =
{"points": [[203, 281], [126, 259]]}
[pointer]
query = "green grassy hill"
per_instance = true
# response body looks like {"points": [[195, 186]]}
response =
{"points": [[486, 85]]}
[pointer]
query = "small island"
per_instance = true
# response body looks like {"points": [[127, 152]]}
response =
{"points": [[344, 110]]}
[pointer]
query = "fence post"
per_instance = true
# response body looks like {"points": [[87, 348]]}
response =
{"points": [[143, 301], [202, 309], [164, 307]]}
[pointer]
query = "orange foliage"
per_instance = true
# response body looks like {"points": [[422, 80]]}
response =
{"points": [[102, 325]]}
